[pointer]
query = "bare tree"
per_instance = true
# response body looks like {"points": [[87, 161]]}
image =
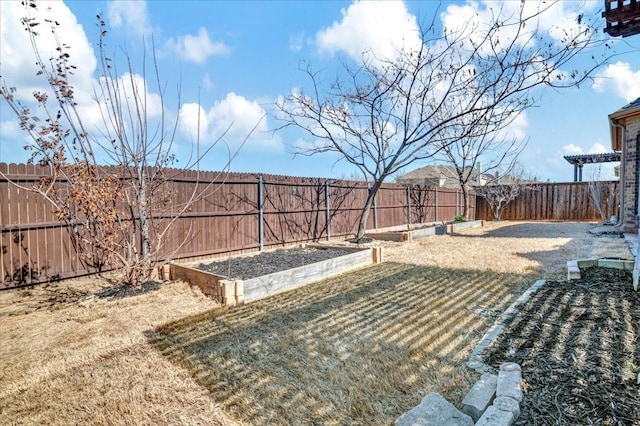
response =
{"points": [[474, 158], [602, 195], [470, 82], [504, 187], [107, 184]]}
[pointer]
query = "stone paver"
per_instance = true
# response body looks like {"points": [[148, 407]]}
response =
{"points": [[504, 403], [509, 381], [480, 396], [495, 417], [434, 410]]}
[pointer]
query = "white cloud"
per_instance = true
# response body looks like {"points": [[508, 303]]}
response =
{"points": [[557, 19], [231, 120], [382, 28], [620, 79], [193, 122], [20, 71], [132, 15], [572, 149], [597, 148], [296, 41], [197, 48], [132, 89], [239, 114]]}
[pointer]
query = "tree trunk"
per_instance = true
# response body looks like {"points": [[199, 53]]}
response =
{"points": [[144, 212], [497, 212], [465, 201], [362, 223]]}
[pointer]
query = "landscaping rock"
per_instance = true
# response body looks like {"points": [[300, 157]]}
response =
{"points": [[495, 417], [509, 381], [434, 410], [480, 396], [504, 403]]}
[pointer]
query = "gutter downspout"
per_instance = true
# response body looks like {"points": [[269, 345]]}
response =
{"points": [[614, 123], [636, 267]]}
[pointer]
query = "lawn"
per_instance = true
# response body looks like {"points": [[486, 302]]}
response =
{"points": [[358, 349]]}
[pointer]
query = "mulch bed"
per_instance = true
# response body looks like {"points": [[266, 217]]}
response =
{"points": [[270, 262], [578, 343]]}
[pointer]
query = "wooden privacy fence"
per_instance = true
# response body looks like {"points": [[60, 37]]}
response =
{"points": [[233, 212], [554, 201]]}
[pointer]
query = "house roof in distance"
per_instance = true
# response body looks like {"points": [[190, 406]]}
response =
{"points": [[437, 174]]}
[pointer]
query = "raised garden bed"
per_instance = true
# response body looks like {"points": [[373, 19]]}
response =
{"points": [[243, 279], [422, 230]]}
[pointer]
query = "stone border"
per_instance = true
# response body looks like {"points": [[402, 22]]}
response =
{"points": [[232, 291], [476, 361], [418, 231], [574, 266], [494, 400]]}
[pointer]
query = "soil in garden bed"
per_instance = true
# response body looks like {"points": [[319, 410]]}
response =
{"points": [[272, 261], [578, 343]]}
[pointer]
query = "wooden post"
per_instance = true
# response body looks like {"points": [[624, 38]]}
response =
{"points": [[409, 205], [328, 212], [436, 200], [260, 214], [375, 210]]}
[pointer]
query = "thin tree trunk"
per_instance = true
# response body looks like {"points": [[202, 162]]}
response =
{"points": [[362, 224], [465, 200]]}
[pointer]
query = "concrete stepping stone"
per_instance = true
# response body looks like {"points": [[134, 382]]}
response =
{"points": [[434, 410], [480, 396]]}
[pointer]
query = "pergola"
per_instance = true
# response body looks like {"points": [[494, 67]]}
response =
{"points": [[622, 17], [580, 160]]}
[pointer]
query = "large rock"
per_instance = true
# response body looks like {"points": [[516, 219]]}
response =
{"points": [[504, 403], [509, 381], [434, 410], [480, 396], [495, 417]]}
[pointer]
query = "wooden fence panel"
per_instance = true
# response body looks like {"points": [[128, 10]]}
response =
{"points": [[226, 216], [553, 201]]}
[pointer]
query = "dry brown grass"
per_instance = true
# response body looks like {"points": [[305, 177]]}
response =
{"points": [[357, 349], [69, 357], [518, 247]]}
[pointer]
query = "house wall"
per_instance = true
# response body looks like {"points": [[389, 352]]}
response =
{"points": [[631, 173]]}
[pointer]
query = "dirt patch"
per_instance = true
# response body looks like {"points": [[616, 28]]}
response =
{"points": [[578, 343], [272, 261]]}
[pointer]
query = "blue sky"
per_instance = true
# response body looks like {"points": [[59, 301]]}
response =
{"points": [[235, 59]]}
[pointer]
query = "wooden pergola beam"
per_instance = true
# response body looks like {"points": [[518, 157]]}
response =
{"points": [[624, 20]]}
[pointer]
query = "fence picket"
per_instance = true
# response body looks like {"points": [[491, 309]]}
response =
{"points": [[236, 213]]}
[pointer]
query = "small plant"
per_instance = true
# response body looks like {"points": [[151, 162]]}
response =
{"points": [[460, 218], [636, 369]]}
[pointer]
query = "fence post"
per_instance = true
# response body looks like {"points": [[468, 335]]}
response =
{"points": [[375, 209], [260, 214], [437, 208], [475, 204], [409, 204], [328, 211]]}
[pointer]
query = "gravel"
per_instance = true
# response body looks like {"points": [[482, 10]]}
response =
{"points": [[273, 261]]}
